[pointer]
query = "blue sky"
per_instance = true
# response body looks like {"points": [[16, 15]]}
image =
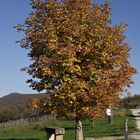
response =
{"points": [[13, 57]]}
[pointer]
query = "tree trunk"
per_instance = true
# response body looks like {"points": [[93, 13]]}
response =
{"points": [[78, 130]]}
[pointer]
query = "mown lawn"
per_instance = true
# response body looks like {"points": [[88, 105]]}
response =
{"points": [[35, 131]]}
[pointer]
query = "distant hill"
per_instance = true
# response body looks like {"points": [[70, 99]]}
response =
{"points": [[18, 99]]}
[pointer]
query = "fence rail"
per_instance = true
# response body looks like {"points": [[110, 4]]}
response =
{"points": [[23, 121]]}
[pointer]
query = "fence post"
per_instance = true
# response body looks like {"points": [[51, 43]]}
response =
{"points": [[54, 133], [126, 130]]}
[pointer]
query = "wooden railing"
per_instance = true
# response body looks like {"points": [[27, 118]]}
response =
{"points": [[22, 121]]}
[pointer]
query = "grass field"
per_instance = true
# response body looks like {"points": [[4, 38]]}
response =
{"points": [[35, 131]]}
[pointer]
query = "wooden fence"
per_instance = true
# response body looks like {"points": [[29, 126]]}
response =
{"points": [[22, 121]]}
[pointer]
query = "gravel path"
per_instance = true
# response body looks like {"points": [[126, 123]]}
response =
{"points": [[134, 135], [136, 113], [111, 138]]}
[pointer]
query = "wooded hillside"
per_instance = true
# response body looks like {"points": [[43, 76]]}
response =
{"points": [[18, 99], [131, 101]]}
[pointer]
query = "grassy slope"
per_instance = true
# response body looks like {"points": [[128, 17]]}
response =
{"points": [[102, 128]]}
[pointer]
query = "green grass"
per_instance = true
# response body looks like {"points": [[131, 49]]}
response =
{"points": [[35, 131]]}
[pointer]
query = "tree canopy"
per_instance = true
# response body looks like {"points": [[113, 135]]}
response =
{"points": [[77, 54]]}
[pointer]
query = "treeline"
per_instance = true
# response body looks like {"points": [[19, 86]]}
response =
{"points": [[130, 102], [8, 113]]}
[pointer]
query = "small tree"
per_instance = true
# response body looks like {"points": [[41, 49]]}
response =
{"points": [[77, 55]]}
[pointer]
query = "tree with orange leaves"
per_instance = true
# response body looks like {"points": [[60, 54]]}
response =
{"points": [[78, 55]]}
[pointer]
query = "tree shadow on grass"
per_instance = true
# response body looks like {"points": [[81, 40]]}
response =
{"points": [[133, 116], [73, 128], [117, 134], [69, 128]]}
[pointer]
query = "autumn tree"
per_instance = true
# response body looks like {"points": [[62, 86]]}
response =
{"points": [[77, 55]]}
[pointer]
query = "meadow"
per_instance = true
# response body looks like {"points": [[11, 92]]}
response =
{"points": [[36, 130]]}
